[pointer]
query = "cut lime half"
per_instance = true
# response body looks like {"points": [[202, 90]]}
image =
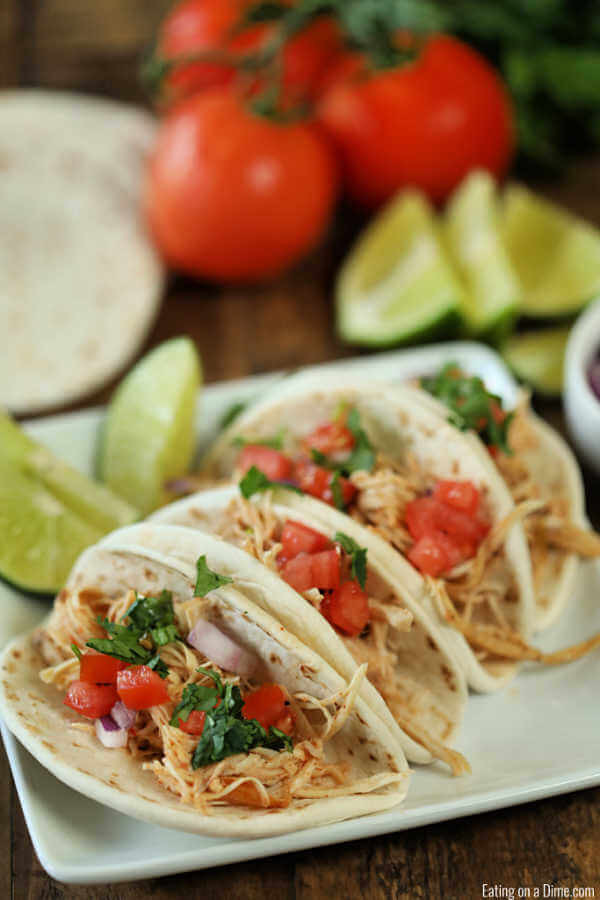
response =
{"points": [[472, 235], [41, 536], [396, 284], [537, 357], [555, 254], [148, 435]]}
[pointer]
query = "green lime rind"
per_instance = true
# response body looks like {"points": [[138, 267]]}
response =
{"points": [[537, 358], [149, 435], [471, 234], [396, 284], [41, 536], [93, 502], [555, 254]]}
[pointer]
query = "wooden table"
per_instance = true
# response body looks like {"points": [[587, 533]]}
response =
{"points": [[73, 44]]}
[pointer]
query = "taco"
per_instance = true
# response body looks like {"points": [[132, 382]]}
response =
{"points": [[379, 456], [323, 579], [161, 690], [538, 468]]}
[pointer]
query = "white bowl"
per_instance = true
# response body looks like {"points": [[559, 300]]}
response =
{"points": [[582, 407]]}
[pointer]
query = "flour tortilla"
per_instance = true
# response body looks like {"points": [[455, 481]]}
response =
{"points": [[80, 283], [397, 423], [425, 666], [34, 711]]}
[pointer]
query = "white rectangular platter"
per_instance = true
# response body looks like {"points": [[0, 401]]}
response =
{"points": [[538, 737]]}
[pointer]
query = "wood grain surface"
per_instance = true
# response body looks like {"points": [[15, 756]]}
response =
{"points": [[95, 47]]}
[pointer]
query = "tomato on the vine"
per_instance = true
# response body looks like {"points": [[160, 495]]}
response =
{"points": [[196, 27], [425, 123], [236, 196]]}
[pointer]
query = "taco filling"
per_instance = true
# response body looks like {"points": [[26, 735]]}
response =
{"points": [[167, 684], [533, 476]]}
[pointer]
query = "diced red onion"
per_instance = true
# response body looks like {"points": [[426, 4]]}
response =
{"points": [[594, 377], [220, 649], [110, 734], [122, 715]]}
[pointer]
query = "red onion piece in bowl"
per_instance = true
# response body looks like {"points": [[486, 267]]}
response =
{"points": [[220, 649], [109, 733], [594, 376]]}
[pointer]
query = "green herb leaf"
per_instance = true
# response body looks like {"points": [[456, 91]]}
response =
{"points": [[471, 405], [358, 555], [207, 580], [362, 457], [255, 481], [233, 412], [151, 612], [194, 697], [275, 442], [337, 492], [76, 651]]}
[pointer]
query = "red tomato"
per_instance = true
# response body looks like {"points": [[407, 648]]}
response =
{"points": [[275, 465], [98, 668], [461, 495], [429, 556], [267, 705], [205, 26], [235, 196], [139, 687], [316, 481], [91, 700], [427, 515], [421, 516], [320, 570], [194, 724], [424, 124], [299, 538], [347, 608], [329, 438]]}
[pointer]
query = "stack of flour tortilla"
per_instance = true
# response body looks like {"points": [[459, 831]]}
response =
{"points": [[80, 283]]}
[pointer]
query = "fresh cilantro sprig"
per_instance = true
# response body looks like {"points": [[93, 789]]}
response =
{"points": [[255, 481], [275, 442], [357, 554], [471, 405], [225, 731], [150, 624], [207, 580], [362, 455]]}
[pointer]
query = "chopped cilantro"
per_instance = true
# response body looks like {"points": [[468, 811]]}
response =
{"points": [[358, 555], [471, 405], [336, 491], [232, 413], [207, 580], [254, 481], [275, 442], [149, 625], [225, 731], [362, 455], [76, 651]]}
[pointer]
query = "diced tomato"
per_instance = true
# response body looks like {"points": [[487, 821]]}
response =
{"points": [[347, 608], [306, 571], [139, 687], [267, 705], [298, 572], [298, 538], [333, 437], [98, 668], [461, 495], [275, 465], [286, 722], [316, 481], [421, 516], [91, 700], [429, 556], [194, 724], [427, 515], [325, 570]]}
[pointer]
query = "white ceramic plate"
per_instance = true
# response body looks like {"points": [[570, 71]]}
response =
{"points": [[538, 737]]}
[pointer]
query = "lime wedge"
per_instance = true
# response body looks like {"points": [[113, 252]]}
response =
{"points": [[93, 502], [149, 431], [472, 234], [537, 357], [396, 284], [41, 536], [555, 254]]}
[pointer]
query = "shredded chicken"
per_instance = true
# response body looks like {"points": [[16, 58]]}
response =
{"points": [[263, 778]]}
